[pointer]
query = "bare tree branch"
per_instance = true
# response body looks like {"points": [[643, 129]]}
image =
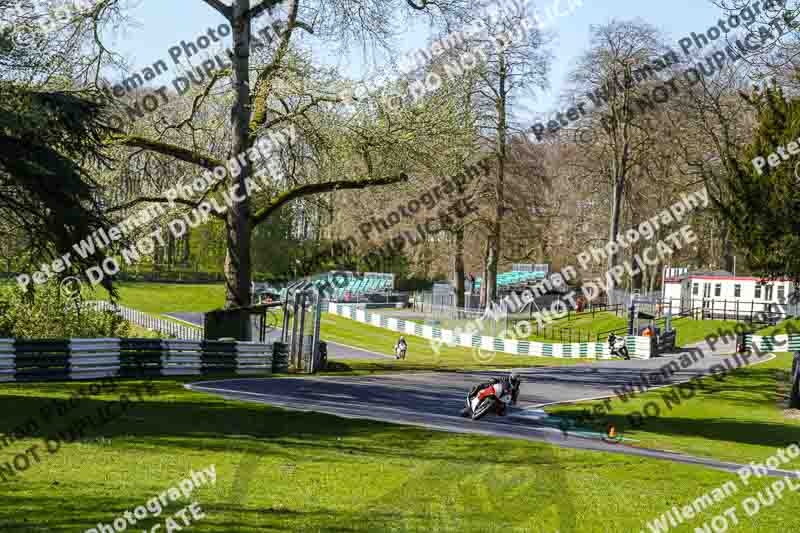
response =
{"points": [[226, 11], [316, 188], [260, 8], [158, 200], [190, 156]]}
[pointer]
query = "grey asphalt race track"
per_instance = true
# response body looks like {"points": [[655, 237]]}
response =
{"points": [[192, 318], [434, 399], [335, 351]]}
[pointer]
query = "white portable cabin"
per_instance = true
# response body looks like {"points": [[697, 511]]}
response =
{"points": [[723, 295]]}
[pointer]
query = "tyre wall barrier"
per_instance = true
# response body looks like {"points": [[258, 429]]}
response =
{"points": [[74, 359], [638, 347]]}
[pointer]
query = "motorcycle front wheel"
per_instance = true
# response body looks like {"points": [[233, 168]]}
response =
{"points": [[483, 408]]}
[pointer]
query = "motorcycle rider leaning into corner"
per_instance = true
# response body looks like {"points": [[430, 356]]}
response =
{"points": [[508, 386]]}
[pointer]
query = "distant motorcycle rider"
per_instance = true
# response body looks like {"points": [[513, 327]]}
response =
{"points": [[501, 388], [400, 349]]}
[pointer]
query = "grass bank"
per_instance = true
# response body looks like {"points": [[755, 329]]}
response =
{"points": [[781, 328], [159, 298], [741, 417]]}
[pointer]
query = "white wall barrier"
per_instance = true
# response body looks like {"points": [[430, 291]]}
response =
{"points": [[773, 343]]}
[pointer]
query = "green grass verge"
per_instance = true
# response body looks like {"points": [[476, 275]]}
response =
{"points": [[280, 471], [737, 419], [692, 331]]}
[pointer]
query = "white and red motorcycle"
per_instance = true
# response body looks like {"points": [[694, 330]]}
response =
{"points": [[496, 395], [617, 347]]}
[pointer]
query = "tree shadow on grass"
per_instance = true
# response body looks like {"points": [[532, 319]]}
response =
{"points": [[388, 512], [212, 424]]}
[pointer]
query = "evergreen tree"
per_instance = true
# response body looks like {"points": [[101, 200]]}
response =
{"points": [[762, 206], [49, 142]]}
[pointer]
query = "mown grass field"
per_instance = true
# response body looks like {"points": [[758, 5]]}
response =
{"points": [[743, 416], [282, 471]]}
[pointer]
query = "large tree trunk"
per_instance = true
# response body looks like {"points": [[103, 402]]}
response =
{"points": [[616, 217], [727, 249], [639, 278], [653, 276], [187, 249], [237, 223], [496, 233], [485, 275], [170, 250], [458, 266], [492, 260]]}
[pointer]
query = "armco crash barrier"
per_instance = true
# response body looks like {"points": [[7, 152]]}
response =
{"points": [[638, 347], [69, 359]]}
